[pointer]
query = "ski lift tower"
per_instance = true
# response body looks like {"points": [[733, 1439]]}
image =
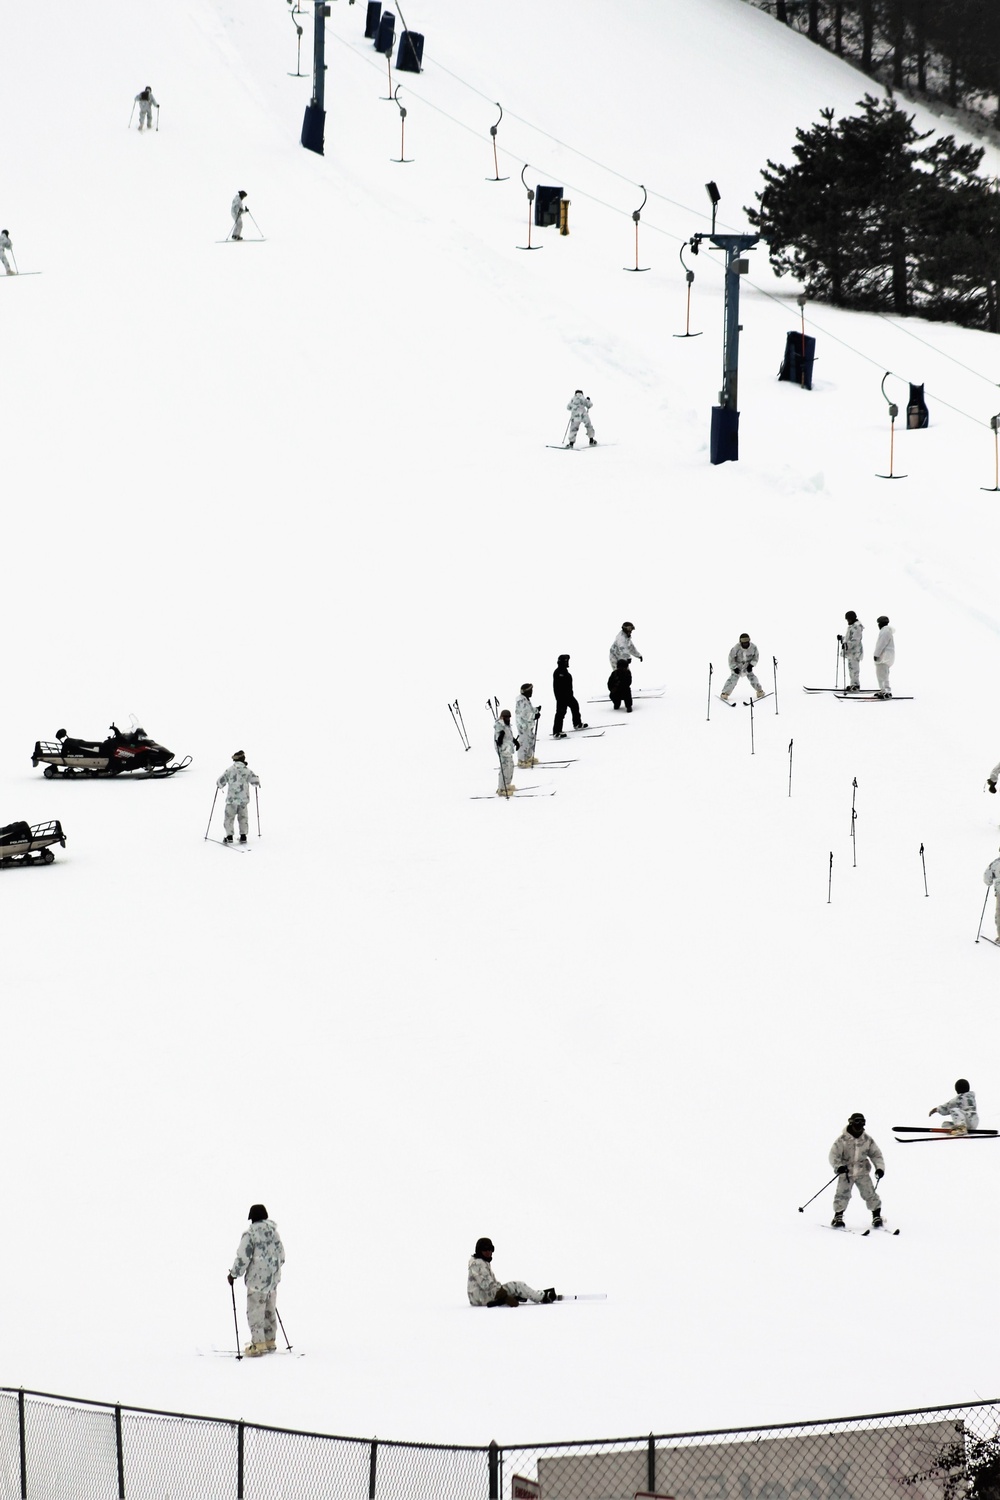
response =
{"points": [[315, 116], [724, 446]]}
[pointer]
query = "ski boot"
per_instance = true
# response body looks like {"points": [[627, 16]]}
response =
{"points": [[550, 1294], [958, 1129], [724, 697], [761, 693], [837, 1222], [253, 1350], [243, 838], [581, 726], [228, 839], [877, 1219], [560, 734], [270, 1346], [592, 442]]}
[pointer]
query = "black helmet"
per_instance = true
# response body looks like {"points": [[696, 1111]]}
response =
{"points": [[257, 1213], [850, 617], [561, 659], [484, 1247], [627, 625], [961, 1085]]}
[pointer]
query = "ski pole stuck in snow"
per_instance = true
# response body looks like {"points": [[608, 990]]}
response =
{"points": [[493, 133], [256, 798], [924, 864], [823, 1189], [829, 881], [236, 1325], [790, 744], [284, 1335], [854, 821], [456, 719], [748, 703], [212, 813], [774, 678]]}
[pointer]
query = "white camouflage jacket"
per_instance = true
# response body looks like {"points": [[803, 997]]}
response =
{"points": [[852, 641], [260, 1257], [237, 780], [621, 648], [524, 719], [506, 747], [885, 646], [579, 405], [963, 1104], [991, 875], [483, 1285], [743, 659], [856, 1154]]}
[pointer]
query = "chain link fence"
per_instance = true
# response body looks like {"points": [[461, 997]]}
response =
{"points": [[61, 1448]]}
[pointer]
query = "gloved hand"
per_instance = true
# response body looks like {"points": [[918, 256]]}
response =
{"points": [[931, 1112], [992, 785], [229, 1278], [517, 743], [879, 1174], [842, 1171], [876, 659], [640, 658], [499, 741]]}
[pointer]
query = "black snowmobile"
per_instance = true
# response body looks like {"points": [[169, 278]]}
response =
{"points": [[131, 754], [24, 844]]}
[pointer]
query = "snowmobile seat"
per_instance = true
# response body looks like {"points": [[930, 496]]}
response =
{"points": [[16, 833], [80, 747]]}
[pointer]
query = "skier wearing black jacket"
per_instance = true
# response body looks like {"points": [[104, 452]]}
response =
{"points": [[562, 688], [620, 686]]}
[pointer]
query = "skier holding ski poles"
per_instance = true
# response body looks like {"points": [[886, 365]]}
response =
{"points": [[259, 1259], [579, 411], [991, 876], [145, 102], [850, 1156], [237, 779], [852, 651], [506, 744], [526, 722], [237, 210]]}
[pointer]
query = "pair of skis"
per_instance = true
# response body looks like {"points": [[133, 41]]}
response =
{"points": [[928, 1135], [864, 695], [730, 704]]}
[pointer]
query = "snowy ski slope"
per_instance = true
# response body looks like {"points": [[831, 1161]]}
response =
{"points": [[294, 497]]}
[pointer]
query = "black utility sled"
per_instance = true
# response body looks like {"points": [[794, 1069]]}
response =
{"points": [[27, 844], [134, 755]]}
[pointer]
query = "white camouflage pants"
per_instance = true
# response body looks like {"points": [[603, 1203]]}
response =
{"points": [[734, 679], [6, 263], [145, 113], [262, 1315], [234, 809], [997, 889], [505, 780], [574, 427], [882, 673], [523, 1290], [238, 226], [853, 665], [863, 1183]]}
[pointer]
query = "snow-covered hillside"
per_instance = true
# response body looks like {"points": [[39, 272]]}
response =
{"points": [[294, 497]]}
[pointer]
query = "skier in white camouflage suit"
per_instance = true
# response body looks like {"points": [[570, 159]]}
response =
{"points": [[622, 648], [237, 210], [852, 651], [145, 102], [526, 724], [850, 1156], [6, 245], [885, 655], [237, 779], [506, 744], [960, 1111], [486, 1291], [259, 1259], [742, 660], [991, 876], [579, 411]]}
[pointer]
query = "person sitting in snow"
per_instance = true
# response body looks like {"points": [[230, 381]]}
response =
{"points": [[961, 1111], [486, 1291]]}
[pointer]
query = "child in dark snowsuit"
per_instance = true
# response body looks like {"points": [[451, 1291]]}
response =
{"points": [[620, 686]]}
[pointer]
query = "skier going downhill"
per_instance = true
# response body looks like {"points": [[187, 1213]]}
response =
{"points": [[742, 660], [237, 210], [5, 246], [991, 876], [259, 1259], [885, 655], [579, 411], [850, 646], [486, 1291], [562, 688], [237, 779], [960, 1112], [622, 648], [850, 1156], [145, 102], [991, 780], [526, 723], [506, 744]]}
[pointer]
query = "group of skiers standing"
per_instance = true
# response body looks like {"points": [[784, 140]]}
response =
{"points": [[852, 652], [523, 734]]}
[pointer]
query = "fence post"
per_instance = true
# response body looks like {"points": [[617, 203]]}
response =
{"points": [[651, 1465], [120, 1453], [239, 1460], [494, 1471], [23, 1446], [371, 1469]]}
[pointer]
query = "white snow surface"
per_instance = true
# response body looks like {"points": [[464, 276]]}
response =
{"points": [[294, 497]]}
